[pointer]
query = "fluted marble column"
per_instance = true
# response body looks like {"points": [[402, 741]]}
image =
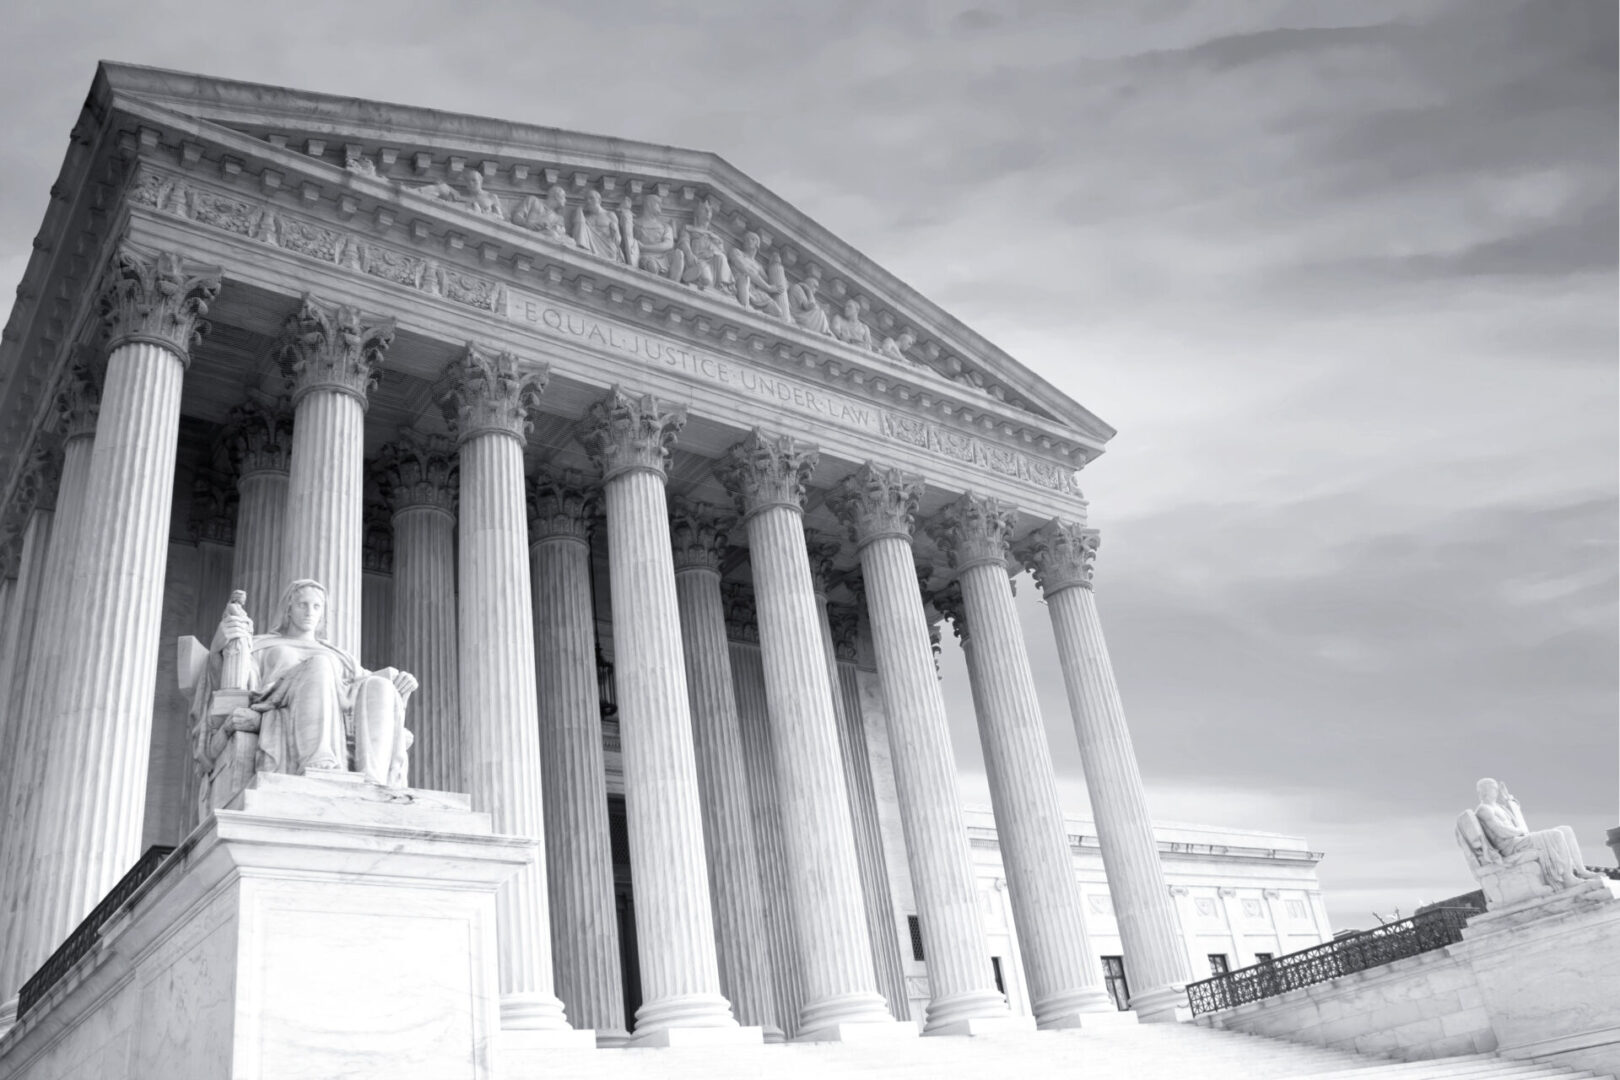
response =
{"points": [[579, 856], [767, 475], [260, 442], [417, 476], [879, 903], [878, 505], [100, 710], [490, 398], [1061, 555], [333, 357], [1064, 990], [629, 439], [699, 540]]}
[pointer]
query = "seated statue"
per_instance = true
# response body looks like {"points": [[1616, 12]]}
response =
{"points": [[849, 328], [703, 251], [805, 305], [481, 201], [758, 288], [545, 216], [650, 242], [1510, 861], [307, 701], [597, 231]]}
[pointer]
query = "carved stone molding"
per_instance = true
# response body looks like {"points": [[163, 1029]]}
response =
{"points": [[417, 470], [78, 401], [333, 347], [845, 621], [157, 297], [213, 508], [563, 505], [764, 471], [700, 535], [974, 530], [1061, 555], [875, 502], [742, 617], [625, 432], [258, 437], [951, 605], [492, 392]]}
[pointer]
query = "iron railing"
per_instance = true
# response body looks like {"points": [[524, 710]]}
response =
{"points": [[88, 932], [1342, 956]]}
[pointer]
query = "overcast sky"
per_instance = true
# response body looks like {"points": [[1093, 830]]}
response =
{"points": [[1342, 275]]}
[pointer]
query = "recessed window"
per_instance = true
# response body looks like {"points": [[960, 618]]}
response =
{"points": [[1218, 964], [915, 927], [1114, 980]]}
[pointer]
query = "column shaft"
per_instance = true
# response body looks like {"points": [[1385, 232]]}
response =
{"points": [[960, 980], [579, 857], [1156, 964], [424, 641], [1059, 967], [680, 975], [739, 917], [257, 559], [325, 503]]}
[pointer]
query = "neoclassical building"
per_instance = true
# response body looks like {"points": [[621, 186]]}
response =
{"points": [[618, 454]]}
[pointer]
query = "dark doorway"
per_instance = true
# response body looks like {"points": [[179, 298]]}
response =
{"points": [[625, 905]]}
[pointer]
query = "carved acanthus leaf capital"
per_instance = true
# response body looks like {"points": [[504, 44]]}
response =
{"points": [[78, 401], [1061, 555], [823, 550], [258, 436], [764, 471], [974, 530], [845, 621], [333, 347], [700, 535], [950, 603], [488, 391], [40, 478], [158, 297], [213, 507], [417, 470], [563, 504], [876, 502], [377, 544], [625, 432], [742, 616]]}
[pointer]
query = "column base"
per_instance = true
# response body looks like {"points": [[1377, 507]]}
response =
{"points": [[773, 1034], [1077, 1008], [1160, 1005], [699, 1036], [1106, 1018], [983, 1025], [531, 1011], [861, 1031], [8, 1015], [612, 1039]]}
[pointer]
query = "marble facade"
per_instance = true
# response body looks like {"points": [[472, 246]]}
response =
{"points": [[625, 458]]}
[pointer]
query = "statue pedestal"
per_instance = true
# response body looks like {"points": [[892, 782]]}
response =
{"points": [[317, 926]]}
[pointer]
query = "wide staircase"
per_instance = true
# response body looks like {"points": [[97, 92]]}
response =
{"points": [[1116, 1052]]}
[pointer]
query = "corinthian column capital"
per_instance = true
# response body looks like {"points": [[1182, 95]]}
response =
{"points": [[562, 505], [625, 433], [1061, 554], [418, 470], [258, 437], [78, 402], [41, 475], [492, 392], [333, 347], [700, 535], [764, 471], [157, 297], [876, 502], [950, 603], [742, 614], [974, 530], [822, 550]]}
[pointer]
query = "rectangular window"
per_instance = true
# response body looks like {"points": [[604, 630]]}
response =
{"points": [[995, 969], [915, 927], [1262, 957], [1114, 979], [1218, 963]]}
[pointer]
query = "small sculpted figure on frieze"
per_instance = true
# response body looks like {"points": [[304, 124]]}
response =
{"points": [[805, 305], [547, 216], [480, 201], [310, 704], [895, 347], [703, 251], [849, 328]]}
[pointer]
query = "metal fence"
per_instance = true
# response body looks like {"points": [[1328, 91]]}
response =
{"points": [[88, 932], [1342, 956]]}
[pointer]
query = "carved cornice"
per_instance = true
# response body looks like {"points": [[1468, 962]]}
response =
{"points": [[877, 502], [490, 392], [700, 535], [157, 297], [822, 550], [950, 603], [258, 437], [742, 617], [624, 433], [78, 402], [1061, 555], [763, 471], [974, 530], [563, 505], [845, 621], [333, 347], [213, 508], [416, 471]]}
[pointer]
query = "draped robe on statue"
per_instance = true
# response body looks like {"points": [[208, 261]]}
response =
{"points": [[1560, 853]]}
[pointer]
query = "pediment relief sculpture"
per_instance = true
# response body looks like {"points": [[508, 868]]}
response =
{"points": [[1511, 861], [289, 701]]}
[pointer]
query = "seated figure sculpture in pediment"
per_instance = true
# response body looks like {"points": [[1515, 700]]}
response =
{"points": [[481, 201], [758, 288], [307, 699], [805, 305], [703, 251], [1511, 861], [596, 229], [545, 216], [849, 328], [895, 347], [651, 242]]}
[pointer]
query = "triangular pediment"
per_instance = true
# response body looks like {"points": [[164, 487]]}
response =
{"points": [[684, 216]]}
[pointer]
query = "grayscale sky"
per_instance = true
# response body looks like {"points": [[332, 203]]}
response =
{"points": [[1342, 275]]}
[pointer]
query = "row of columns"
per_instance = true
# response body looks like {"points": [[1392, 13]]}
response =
{"points": [[688, 755]]}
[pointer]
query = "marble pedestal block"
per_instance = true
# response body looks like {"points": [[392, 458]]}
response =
{"points": [[319, 926]]}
